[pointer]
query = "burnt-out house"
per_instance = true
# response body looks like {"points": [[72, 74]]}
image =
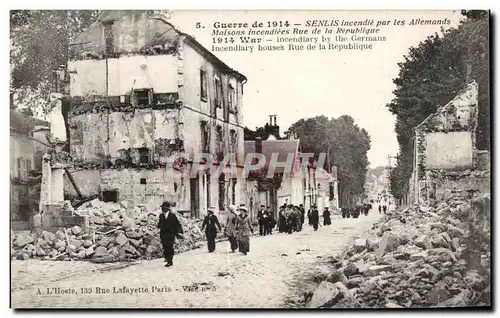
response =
{"points": [[140, 93], [28, 143]]}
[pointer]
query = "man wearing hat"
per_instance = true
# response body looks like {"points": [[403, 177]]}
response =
{"points": [[211, 223], [170, 228], [261, 220], [314, 217]]}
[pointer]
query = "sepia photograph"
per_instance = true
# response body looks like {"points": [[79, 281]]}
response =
{"points": [[250, 159]]}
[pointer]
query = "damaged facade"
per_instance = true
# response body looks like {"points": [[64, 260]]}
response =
{"points": [[141, 92], [28, 139], [446, 160]]}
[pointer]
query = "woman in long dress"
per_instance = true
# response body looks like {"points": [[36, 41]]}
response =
{"points": [[243, 230], [230, 230]]}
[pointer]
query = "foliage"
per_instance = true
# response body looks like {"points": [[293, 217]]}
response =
{"points": [[430, 76], [40, 41], [39, 44], [268, 184], [262, 132], [347, 146]]}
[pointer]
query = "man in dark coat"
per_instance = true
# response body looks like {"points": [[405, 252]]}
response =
{"points": [[314, 219], [271, 223], [326, 217], [265, 222], [210, 224], [302, 216], [170, 228], [260, 219], [291, 218], [281, 220], [309, 215]]}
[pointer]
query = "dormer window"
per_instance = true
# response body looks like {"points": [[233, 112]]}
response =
{"points": [[142, 97], [108, 37]]}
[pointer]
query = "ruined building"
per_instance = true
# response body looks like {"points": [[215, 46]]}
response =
{"points": [[141, 92], [447, 162], [28, 139]]}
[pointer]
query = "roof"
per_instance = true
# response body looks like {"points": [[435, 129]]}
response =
{"points": [[282, 147], [24, 124], [157, 33], [441, 111], [322, 174]]}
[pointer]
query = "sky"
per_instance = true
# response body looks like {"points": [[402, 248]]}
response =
{"points": [[304, 84]]}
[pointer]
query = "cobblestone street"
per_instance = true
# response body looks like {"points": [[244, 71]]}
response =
{"points": [[274, 274]]}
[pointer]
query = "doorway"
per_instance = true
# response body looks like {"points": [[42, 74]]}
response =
{"points": [[195, 196]]}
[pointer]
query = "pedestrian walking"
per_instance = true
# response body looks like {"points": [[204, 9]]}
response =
{"points": [[309, 216], [298, 215], [210, 224], [260, 219], [379, 209], [243, 230], [230, 228], [170, 228], [290, 219], [265, 222], [326, 217], [314, 219], [271, 223], [281, 220], [302, 216], [385, 208]]}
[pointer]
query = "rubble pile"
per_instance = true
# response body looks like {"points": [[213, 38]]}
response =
{"points": [[114, 237], [415, 257]]}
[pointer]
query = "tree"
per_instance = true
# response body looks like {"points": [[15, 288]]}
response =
{"points": [[262, 132], [253, 134], [431, 74], [40, 41], [346, 145], [39, 44]]}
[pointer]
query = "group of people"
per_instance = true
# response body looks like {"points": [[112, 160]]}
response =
{"points": [[382, 208], [238, 230], [238, 227], [266, 221], [365, 208], [291, 218]]}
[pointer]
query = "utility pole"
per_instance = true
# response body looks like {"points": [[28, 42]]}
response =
{"points": [[389, 157]]}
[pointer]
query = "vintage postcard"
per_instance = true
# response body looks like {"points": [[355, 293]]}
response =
{"points": [[250, 159]]}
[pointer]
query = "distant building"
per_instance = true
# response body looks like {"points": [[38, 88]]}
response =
{"points": [[28, 137], [304, 185]]}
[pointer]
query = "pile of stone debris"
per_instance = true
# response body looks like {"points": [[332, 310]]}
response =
{"points": [[415, 257], [114, 236]]}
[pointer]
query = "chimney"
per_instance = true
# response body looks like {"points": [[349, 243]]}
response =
{"points": [[258, 145], [274, 129]]}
